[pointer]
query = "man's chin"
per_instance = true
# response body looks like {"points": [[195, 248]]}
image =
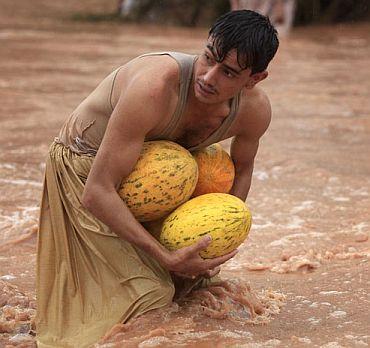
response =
{"points": [[205, 98]]}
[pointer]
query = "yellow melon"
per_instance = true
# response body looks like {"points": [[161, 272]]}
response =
{"points": [[216, 170], [164, 177], [223, 216]]}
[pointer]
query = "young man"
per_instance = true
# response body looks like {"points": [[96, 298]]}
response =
{"points": [[97, 265]]}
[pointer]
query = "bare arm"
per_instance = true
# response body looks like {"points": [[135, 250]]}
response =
{"points": [[245, 145], [243, 153], [117, 155], [139, 109]]}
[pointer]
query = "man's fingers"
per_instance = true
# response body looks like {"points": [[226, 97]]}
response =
{"points": [[197, 265], [212, 272], [217, 261], [201, 244]]}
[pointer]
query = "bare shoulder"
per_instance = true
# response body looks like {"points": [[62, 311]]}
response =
{"points": [[159, 73], [150, 81], [254, 113]]}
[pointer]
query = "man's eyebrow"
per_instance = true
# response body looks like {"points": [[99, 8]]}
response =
{"points": [[232, 69], [212, 49]]}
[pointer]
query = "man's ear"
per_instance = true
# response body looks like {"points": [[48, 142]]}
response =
{"points": [[255, 78]]}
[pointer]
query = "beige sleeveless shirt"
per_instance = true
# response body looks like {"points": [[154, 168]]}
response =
{"points": [[84, 129]]}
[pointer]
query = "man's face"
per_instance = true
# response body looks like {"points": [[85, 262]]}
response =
{"points": [[216, 81]]}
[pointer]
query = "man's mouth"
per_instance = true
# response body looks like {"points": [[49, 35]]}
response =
{"points": [[204, 89]]}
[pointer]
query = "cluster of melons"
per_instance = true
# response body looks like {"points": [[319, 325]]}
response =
{"points": [[181, 197]]}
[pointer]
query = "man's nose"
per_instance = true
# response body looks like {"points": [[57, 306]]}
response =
{"points": [[210, 76]]}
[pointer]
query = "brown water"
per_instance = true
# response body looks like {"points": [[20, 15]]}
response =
{"points": [[307, 257]]}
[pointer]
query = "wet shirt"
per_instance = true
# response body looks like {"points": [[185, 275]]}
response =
{"points": [[84, 129]]}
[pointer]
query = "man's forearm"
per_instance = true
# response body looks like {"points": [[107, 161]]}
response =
{"points": [[242, 182], [109, 208]]}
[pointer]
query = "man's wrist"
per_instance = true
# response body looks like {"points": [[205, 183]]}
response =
{"points": [[159, 252], [165, 259]]}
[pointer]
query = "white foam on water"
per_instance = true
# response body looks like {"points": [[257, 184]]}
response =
{"points": [[286, 240], [15, 222], [361, 227], [261, 222], [304, 340], [358, 340], [335, 190], [21, 182], [331, 345], [295, 223], [338, 314], [314, 305], [8, 277], [362, 192], [237, 334], [303, 206], [341, 199], [21, 338], [7, 165], [280, 242], [267, 344], [261, 175], [6, 34], [314, 321], [154, 342], [261, 226], [332, 292], [227, 334]]}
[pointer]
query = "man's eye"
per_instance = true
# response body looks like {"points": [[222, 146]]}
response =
{"points": [[228, 73]]}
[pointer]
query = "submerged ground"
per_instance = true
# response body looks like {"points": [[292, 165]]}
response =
{"points": [[307, 257]]}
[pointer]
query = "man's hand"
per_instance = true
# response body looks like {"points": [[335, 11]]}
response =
{"points": [[186, 262]]}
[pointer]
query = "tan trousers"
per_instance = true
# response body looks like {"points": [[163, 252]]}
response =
{"points": [[88, 279]]}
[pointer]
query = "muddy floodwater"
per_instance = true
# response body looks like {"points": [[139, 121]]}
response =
{"points": [[306, 260]]}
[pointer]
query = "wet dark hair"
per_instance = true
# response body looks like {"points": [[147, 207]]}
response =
{"points": [[250, 33]]}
